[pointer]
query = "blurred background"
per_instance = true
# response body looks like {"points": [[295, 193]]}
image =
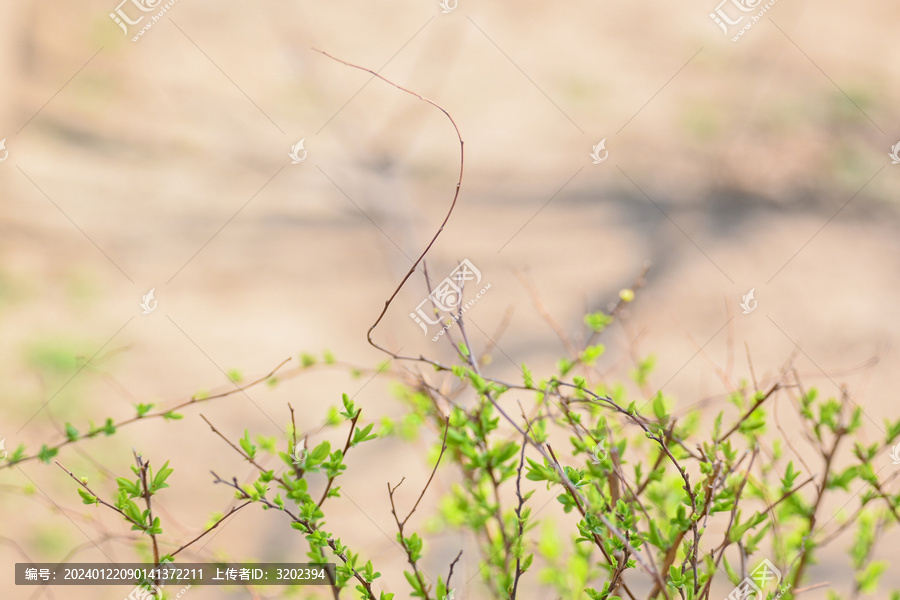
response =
{"points": [[164, 164]]}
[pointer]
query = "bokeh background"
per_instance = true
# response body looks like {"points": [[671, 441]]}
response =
{"points": [[163, 164]]}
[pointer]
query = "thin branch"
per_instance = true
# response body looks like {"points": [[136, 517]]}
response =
{"points": [[236, 449], [453, 564], [145, 494], [155, 415], [101, 500], [545, 314], [759, 402], [519, 521], [307, 525], [401, 524], [462, 161], [211, 527], [346, 447]]}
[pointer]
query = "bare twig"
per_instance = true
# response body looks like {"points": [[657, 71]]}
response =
{"points": [[210, 528], [462, 161], [453, 564]]}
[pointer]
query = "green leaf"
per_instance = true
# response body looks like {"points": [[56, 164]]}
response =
{"points": [[564, 365], [350, 411], [790, 475], [659, 407], [319, 453], [644, 368], [537, 472], [597, 321], [143, 409], [478, 382], [71, 432], [159, 480], [132, 488], [526, 376], [737, 531], [46, 454], [87, 498], [363, 435], [868, 577], [590, 354], [247, 445], [418, 592]]}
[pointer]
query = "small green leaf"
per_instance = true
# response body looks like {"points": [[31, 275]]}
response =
{"points": [[247, 445], [597, 321], [143, 409], [46, 454], [87, 498], [159, 480]]}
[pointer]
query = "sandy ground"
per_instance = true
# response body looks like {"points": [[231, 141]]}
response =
{"points": [[164, 164]]}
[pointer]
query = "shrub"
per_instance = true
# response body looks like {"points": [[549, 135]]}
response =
{"points": [[663, 505]]}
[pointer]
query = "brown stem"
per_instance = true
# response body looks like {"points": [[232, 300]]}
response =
{"points": [[308, 526], [211, 527], [159, 414], [462, 162], [519, 521], [142, 471], [101, 500], [346, 447], [401, 524]]}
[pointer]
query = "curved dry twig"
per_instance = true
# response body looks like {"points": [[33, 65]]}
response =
{"points": [[462, 161]]}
